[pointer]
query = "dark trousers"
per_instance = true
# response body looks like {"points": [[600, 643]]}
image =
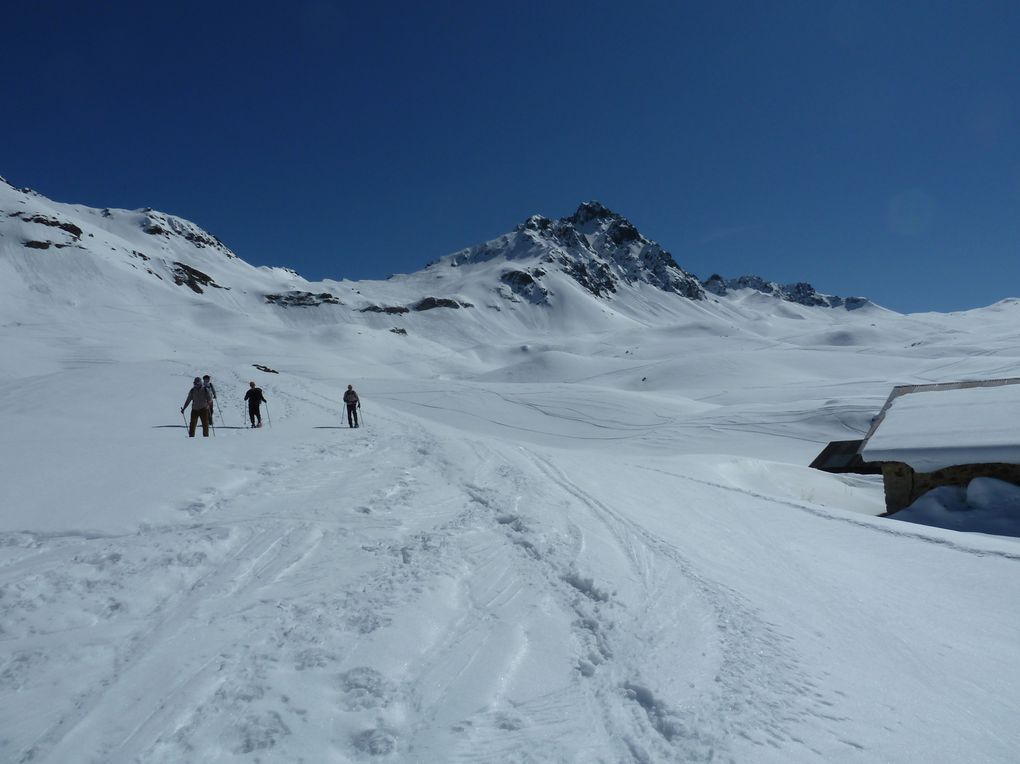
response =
{"points": [[352, 414], [255, 412], [197, 414]]}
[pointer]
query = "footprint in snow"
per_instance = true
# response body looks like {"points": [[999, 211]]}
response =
{"points": [[375, 742], [363, 688], [259, 732]]}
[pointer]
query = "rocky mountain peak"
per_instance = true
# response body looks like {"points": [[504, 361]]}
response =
{"points": [[598, 248], [801, 293], [592, 211]]}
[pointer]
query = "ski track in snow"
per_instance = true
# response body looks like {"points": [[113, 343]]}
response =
{"points": [[760, 692], [488, 555], [258, 551], [229, 580]]}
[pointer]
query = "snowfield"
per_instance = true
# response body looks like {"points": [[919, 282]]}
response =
{"points": [[582, 532]]}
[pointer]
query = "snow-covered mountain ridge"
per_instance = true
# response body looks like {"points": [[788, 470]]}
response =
{"points": [[602, 255], [595, 246], [600, 249], [801, 292]]}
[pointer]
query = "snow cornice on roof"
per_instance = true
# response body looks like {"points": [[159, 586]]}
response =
{"points": [[969, 422]]}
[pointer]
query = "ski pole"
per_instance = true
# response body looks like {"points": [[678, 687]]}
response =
{"points": [[268, 419], [186, 433], [361, 415]]}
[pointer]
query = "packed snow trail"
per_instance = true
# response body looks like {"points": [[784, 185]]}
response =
{"points": [[418, 591], [200, 632], [460, 620]]}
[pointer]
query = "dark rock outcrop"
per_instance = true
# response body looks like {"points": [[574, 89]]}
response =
{"points": [[431, 303], [801, 293], [527, 284], [185, 275], [596, 277], [390, 309], [70, 228], [298, 299]]}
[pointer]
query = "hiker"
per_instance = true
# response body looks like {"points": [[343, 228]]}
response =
{"points": [[201, 404], [207, 383], [255, 398], [353, 404]]}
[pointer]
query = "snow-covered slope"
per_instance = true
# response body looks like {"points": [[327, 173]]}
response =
{"points": [[575, 526]]}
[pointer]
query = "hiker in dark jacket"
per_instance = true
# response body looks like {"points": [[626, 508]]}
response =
{"points": [[255, 399], [201, 401], [353, 404], [207, 383]]}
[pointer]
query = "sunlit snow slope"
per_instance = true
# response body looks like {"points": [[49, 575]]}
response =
{"points": [[574, 527]]}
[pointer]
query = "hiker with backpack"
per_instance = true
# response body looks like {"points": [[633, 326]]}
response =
{"points": [[255, 399], [353, 404], [207, 383], [201, 407]]}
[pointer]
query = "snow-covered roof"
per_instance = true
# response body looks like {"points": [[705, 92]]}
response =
{"points": [[930, 427]]}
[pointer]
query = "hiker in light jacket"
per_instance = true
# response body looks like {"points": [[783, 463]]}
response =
{"points": [[200, 400], [353, 404]]}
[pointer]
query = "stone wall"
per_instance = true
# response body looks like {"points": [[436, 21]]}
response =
{"points": [[903, 486]]}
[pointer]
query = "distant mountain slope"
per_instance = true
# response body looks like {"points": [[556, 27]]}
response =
{"points": [[577, 299], [590, 271], [63, 243]]}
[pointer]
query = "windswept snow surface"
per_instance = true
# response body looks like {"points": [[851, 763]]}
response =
{"points": [[544, 545]]}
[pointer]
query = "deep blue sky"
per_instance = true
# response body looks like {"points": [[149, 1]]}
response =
{"points": [[871, 148]]}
